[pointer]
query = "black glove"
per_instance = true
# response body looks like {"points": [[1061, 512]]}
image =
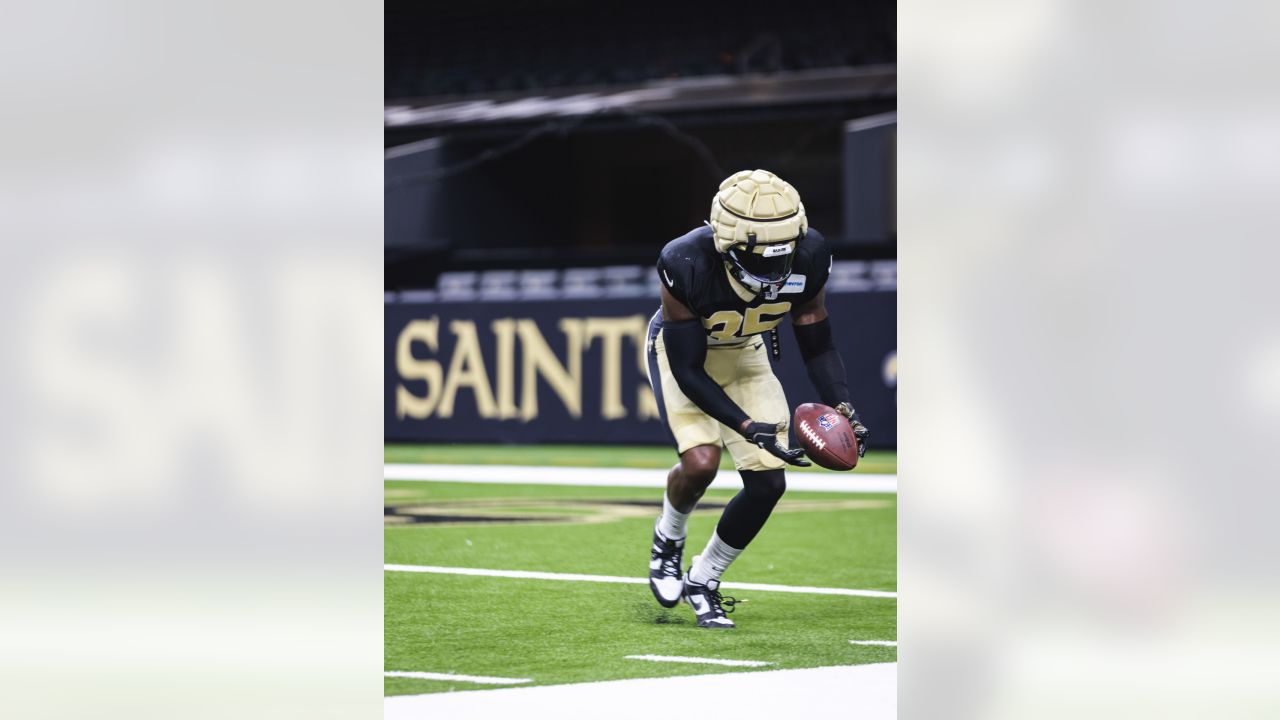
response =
{"points": [[860, 431], [765, 436]]}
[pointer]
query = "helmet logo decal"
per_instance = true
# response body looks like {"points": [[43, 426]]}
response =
{"points": [[774, 250]]}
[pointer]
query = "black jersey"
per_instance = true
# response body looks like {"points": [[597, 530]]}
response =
{"points": [[694, 273]]}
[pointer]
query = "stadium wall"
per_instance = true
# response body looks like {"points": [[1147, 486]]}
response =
{"points": [[572, 371]]}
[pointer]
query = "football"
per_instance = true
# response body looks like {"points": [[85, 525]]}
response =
{"points": [[826, 436]]}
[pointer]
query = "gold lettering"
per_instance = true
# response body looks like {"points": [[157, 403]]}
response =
{"points": [[505, 332], [764, 317], [646, 403], [411, 368], [728, 321], [540, 360], [611, 331], [466, 369]]}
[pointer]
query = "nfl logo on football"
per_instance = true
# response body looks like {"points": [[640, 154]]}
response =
{"points": [[827, 420]]}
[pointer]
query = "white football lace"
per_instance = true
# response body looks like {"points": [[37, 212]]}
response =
{"points": [[813, 436]]}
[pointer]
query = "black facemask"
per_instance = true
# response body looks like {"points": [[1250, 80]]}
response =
{"points": [[763, 273]]}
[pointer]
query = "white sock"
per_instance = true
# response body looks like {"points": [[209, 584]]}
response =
{"points": [[672, 522], [713, 561]]}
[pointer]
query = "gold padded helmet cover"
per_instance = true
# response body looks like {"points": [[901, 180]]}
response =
{"points": [[759, 202]]}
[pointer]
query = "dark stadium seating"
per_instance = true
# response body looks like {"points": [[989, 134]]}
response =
{"points": [[490, 47]]}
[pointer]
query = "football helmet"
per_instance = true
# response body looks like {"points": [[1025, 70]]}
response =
{"points": [[758, 221]]}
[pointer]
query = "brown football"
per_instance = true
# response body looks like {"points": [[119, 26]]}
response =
{"points": [[826, 436]]}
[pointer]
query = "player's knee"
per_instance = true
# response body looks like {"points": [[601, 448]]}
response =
{"points": [[765, 485], [700, 463]]}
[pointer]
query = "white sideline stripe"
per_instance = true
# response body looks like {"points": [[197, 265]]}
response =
{"points": [[574, 577], [478, 679], [622, 477], [885, 643], [699, 661], [866, 692]]}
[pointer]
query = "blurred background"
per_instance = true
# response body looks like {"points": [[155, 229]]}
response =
{"points": [[538, 157], [191, 206]]}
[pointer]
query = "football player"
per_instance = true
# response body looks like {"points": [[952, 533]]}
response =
{"points": [[725, 288]]}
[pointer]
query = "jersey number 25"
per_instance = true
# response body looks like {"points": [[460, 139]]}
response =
{"points": [[729, 324]]}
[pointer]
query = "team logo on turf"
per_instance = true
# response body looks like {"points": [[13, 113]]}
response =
{"points": [[828, 420]]}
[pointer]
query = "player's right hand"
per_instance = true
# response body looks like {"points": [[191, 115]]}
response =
{"points": [[765, 436], [860, 431]]}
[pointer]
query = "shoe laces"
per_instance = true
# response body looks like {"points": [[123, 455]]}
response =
{"points": [[722, 602], [670, 565]]}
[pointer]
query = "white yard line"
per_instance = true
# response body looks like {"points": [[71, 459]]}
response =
{"points": [[698, 660], [624, 477], [885, 643], [807, 590], [478, 679], [574, 577], [866, 692]]}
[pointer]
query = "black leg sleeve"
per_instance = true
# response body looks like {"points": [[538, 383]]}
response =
{"points": [[750, 508]]}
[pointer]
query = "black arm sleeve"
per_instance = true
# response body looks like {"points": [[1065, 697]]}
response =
{"points": [[686, 344], [822, 360]]}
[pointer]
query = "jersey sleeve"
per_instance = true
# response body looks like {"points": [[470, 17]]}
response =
{"points": [[676, 275], [816, 259]]}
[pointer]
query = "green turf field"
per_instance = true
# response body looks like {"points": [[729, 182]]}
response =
{"points": [[637, 456], [561, 631]]}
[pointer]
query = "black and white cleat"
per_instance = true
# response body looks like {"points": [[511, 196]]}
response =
{"points": [[665, 579], [708, 604]]}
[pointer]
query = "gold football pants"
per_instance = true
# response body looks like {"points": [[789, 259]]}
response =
{"points": [[743, 370]]}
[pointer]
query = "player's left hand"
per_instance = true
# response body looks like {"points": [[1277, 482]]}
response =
{"points": [[860, 431], [765, 436]]}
